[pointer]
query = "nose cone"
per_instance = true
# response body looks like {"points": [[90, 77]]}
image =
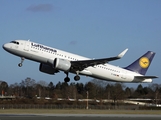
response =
{"points": [[6, 47]]}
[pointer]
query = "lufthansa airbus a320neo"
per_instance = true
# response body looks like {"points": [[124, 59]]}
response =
{"points": [[53, 60]]}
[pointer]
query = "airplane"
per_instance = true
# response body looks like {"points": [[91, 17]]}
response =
{"points": [[53, 60]]}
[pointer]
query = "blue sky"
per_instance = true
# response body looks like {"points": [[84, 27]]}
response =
{"points": [[91, 28]]}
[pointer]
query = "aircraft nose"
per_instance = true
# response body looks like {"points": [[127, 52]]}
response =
{"points": [[5, 46]]}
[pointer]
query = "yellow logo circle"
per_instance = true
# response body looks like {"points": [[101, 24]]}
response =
{"points": [[144, 62]]}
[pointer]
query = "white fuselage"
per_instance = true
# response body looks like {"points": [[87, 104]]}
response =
{"points": [[41, 53]]}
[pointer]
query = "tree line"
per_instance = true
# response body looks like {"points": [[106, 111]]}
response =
{"points": [[97, 89]]}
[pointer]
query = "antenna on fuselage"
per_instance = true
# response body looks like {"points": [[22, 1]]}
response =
{"points": [[28, 39]]}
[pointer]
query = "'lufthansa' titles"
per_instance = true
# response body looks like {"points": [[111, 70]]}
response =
{"points": [[43, 47]]}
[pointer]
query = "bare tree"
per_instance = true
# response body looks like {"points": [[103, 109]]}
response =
{"points": [[28, 86]]}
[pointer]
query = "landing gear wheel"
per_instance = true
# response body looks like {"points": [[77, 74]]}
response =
{"points": [[76, 78], [20, 64], [67, 79]]}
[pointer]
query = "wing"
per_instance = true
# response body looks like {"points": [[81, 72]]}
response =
{"points": [[81, 65]]}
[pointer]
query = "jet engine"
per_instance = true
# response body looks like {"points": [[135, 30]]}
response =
{"points": [[61, 64], [47, 69]]}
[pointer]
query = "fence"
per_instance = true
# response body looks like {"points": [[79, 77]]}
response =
{"points": [[50, 106]]}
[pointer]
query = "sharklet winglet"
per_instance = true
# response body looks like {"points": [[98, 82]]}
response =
{"points": [[122, 53]]}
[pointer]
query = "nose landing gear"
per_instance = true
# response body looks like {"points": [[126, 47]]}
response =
{"points": [[20, 64]]}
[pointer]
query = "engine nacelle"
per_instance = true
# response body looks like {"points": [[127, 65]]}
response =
{"points": [[61, 64], [47, 69]]}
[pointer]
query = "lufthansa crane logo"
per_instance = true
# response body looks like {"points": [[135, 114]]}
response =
{"points": [[144, 62]]}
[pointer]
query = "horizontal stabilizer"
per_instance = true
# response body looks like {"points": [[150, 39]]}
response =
{"points": [[146, 77]]}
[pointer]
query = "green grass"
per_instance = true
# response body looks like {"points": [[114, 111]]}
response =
{"points": [[77, 111]]}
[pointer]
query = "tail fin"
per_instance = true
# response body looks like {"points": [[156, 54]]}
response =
{"points": [[142, 64]]}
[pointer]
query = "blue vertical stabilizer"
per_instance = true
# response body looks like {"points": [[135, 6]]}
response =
{"points": [[142, 64]]}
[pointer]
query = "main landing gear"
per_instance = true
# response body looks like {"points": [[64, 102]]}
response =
{"points": [[76, 78], [67, 79], [20, 64]]}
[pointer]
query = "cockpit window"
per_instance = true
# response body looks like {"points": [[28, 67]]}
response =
{"points": [[15, 42]]}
